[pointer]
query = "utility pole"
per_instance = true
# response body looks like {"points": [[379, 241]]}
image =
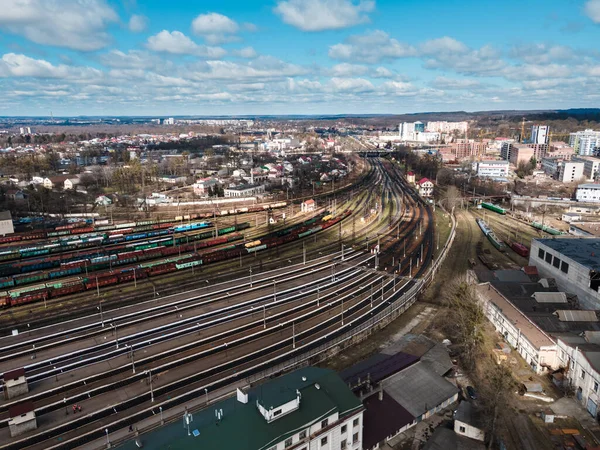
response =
{"points": [[101, 314], [303, 253]]}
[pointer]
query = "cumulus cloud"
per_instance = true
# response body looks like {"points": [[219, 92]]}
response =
{"points": [[543, 53], [347, 70], [246, 52], [177, 43], [355, 85], [133, 59], [453, 83], [370, 48], [75, 24], [592, 10], [319, 15], [137, 23], [448, 53], [216, 28]]}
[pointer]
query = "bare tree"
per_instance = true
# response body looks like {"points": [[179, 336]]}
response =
{"points": [[496, 387], [453, 197], [466, 321]]}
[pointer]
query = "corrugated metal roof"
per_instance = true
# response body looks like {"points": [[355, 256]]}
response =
{"points": [[572, 315], [550, 297]]}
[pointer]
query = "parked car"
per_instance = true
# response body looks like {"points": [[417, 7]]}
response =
{"points": [[471, 393]]}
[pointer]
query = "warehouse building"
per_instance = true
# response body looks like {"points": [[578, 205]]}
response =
{"points": [[6, 224], [573, 262]]}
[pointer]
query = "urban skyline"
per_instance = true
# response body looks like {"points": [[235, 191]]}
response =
{"points": [[105, 57]]}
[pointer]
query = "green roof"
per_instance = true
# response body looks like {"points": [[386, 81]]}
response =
{"points": [[242, 426]]}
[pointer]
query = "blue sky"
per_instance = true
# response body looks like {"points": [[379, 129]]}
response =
{"points": [[178, 57]]}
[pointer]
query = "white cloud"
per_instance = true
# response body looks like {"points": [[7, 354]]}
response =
{"points": [[137, 23], [318, 15], [215, 28], [134, 59], [398, 88], [452, 83], [382, 72], [22, 66], [443, 45], [246, 52], [75, 24], [355, 85], [543, 53], [348, 70], [592, 9], [370, 48], [177, 43]]}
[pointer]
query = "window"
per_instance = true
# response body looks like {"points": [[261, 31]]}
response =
{"points": [[595, 386], [355, 438], [556, 262], [302, 435], [343, 445], [288, 442], [582, 375], [548, 258], [462, 429], [344, 428], [324, 423], [276, 413], [564, 267], [541, 253], [324, 441], [355, 422]]}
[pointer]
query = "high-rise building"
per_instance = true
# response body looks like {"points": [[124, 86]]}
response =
{"points": [[540, 134], [586, 142], [419, 127], [407, 131], [447, 127]]}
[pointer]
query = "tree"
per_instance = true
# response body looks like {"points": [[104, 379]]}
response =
{"points": [[496, 387], [466, 321], [453, 197]]}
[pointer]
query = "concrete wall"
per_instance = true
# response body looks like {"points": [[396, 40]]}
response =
{"points": [[464, 429]]}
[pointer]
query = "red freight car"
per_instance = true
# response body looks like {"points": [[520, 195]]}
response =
{"points": [[520, 249]]}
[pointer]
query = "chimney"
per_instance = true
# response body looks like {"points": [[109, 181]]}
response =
{"points": [[380, 393], [242, 396]]}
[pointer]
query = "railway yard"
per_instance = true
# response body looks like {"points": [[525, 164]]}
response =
{"points": [[154, 322]]}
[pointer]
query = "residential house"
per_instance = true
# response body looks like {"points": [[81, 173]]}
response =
{"points": [[425, 186]]}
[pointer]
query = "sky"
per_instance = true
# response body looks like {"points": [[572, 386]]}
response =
{"points": [[225, 57]]}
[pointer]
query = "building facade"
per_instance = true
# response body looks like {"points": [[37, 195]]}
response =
{"points": [[536, 347], [539, 134], [591, 166], [570, 171], [491, 169], [588, 193], [249, 190], [585, 142], [573, 262]]}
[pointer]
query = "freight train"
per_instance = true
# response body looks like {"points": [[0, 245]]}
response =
{"points": [[98, 259], [493, 207], [491, 235], [547, 229], [144, 225], [178, 262], [520, 249]]}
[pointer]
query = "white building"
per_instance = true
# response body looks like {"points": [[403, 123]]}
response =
{"points": [[447, 127], [591, 166], [573, 262], [467, 423], [425, 186], [585, 142], [570, 171], [6, 224], [539, 134], [169, 121], [491, 169], [535, 346], [588, 193], [246, 190], [580, 356]]}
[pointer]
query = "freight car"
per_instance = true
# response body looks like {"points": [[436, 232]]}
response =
{"points": [[491, 235], [183, 261], [493, 207], [547, 229], [520, 249]]}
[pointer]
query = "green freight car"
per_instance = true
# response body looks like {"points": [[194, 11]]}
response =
{"points": [[493, 207], [547, 229]]}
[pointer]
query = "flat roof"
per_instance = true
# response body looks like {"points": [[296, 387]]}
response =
{"points": [[589, 186], [243, 427], [378, 367], [419, 389], [584, 250]]}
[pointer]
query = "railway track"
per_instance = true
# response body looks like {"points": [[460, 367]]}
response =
{"points": [[166, 351]]}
